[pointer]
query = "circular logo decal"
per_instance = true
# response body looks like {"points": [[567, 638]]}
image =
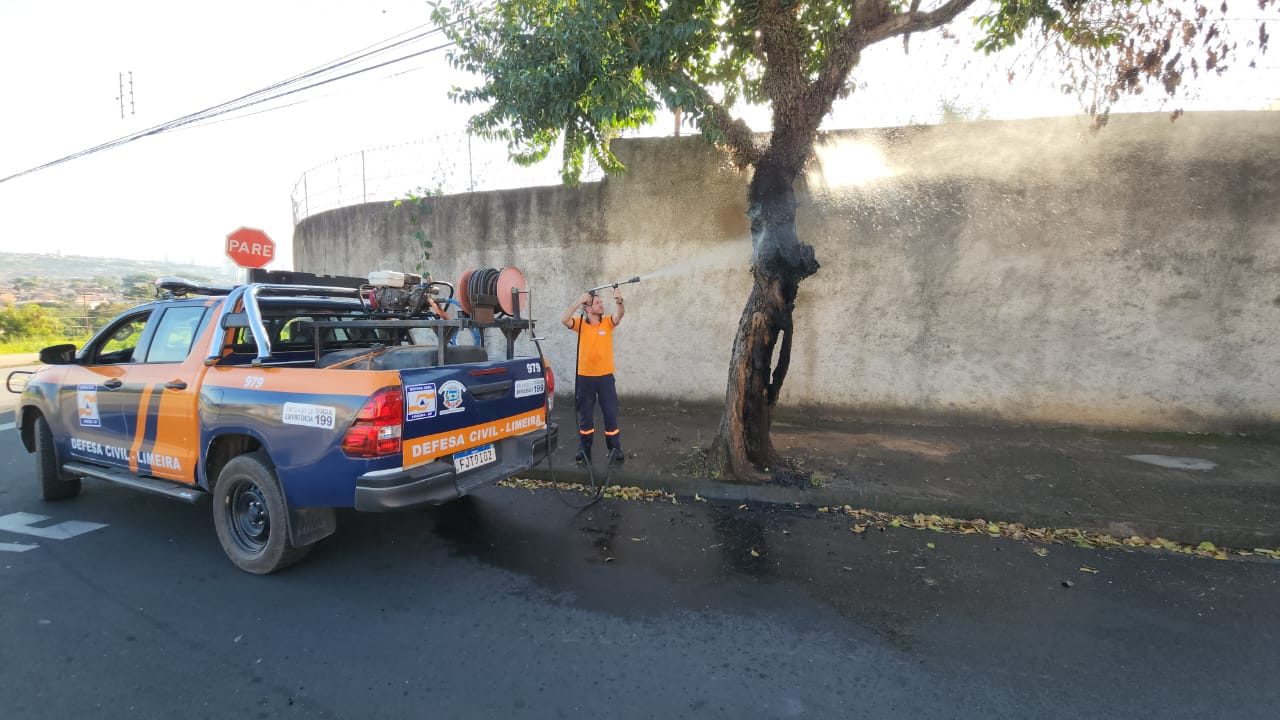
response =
{"points": [[451, 394]]}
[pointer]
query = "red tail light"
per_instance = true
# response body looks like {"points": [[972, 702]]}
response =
{"points": [[551, 386], [376, 430]]}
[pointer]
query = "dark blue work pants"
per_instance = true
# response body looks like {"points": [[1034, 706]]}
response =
{"points": [[589, 388]]}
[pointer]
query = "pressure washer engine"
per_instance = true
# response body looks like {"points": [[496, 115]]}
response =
{"points": [[402, 293]]}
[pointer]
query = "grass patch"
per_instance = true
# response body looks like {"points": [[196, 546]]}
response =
{"points": [[30, 345]]}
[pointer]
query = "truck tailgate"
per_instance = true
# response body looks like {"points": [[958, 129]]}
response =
{"points": [[452, 409]]}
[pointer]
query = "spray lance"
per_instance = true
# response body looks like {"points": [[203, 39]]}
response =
{"points": [[615, 285]]}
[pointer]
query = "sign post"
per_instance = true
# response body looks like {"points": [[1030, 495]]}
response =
{"points": [[250, 248]]}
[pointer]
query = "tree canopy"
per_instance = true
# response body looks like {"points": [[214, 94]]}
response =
{"points": [[587, 70], [28, 320]]}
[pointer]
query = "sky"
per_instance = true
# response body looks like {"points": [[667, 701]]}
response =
{"points": [[176, 196]]}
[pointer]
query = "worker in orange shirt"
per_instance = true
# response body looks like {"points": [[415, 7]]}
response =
{"points": [[595, 372]]}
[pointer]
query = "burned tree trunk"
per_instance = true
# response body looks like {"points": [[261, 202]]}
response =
{"points": [[780, 262]]}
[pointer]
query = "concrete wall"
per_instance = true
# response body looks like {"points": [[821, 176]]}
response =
{"points": [[1028, 271]]}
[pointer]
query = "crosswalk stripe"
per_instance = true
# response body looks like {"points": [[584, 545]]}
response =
{"points": [[21, 522]]}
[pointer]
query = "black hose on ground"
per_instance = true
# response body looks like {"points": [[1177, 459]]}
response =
{"points": [[597, 491]]}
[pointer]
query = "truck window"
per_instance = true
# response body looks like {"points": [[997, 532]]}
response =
{"points": [[117, 345], [172, 340]]}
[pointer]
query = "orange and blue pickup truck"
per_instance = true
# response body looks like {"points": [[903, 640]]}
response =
{"points": [[281, 402]]}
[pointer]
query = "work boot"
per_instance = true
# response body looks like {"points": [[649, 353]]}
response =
{"points": [[616, 456], [584, 450]]}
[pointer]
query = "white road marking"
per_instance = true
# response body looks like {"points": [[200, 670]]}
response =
{"points": [[8, 426], [16, 547], [20, 522], [1175, 463]]}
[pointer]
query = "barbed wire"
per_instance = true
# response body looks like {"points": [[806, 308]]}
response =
{"points": [[446, 164]]}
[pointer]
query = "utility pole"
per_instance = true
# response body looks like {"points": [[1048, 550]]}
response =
{"points": [[120, 97]]}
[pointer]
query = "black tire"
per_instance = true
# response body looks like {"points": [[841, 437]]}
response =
{"points": [[54, 484], [251, 516]]}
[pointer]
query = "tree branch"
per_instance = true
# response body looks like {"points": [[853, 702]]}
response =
{"points": [[783, 81], [914, 21], [739, 138], [906, 39], [871, 23]]}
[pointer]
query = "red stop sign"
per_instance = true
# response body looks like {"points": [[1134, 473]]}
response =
{"points": [[250, 248]]}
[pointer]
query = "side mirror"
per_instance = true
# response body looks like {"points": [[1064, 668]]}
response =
{"points": [[234, 320], [59, 355]]}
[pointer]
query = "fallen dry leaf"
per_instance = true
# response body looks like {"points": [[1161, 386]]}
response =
{"points": [[937, 523]]}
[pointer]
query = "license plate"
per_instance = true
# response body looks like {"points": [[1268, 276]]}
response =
{"points": [[474, 458]]}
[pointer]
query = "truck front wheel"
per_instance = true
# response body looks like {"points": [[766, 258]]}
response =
{"points": [[251, 516], [54, 484]]}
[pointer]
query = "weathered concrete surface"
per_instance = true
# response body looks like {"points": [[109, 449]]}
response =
{"points": [[1027, 271]]}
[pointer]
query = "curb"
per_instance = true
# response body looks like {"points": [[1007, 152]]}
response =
{"points": [[961, 509]]}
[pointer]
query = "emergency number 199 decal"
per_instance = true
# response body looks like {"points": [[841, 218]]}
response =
{"points": [[320, 416]]}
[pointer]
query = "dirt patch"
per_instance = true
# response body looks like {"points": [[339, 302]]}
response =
{"points": [[838, 444]]}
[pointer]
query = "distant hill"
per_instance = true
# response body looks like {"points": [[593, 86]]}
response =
{"points": [[68, 267]]}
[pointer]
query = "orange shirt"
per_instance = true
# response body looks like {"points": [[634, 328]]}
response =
{"points": [[595, 347]]}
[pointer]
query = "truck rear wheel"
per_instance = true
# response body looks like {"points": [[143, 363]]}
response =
{"points": [[54, 484], [251, 516]]}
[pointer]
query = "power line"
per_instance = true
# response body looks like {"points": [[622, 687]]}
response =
{"points": [[195, 121], [318, 71], [206, 122], [255, 97]]}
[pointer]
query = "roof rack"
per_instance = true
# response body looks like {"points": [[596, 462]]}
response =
{"points": [[248, 295], [181, 287], [294, 277]]}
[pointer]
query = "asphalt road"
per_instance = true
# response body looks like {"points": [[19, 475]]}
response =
{"points": [[513, 605]]}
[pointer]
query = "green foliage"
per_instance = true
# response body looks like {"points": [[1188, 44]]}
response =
{"points": [[578, 71], [140, 288], [1081, 24], [952, 111], [29, 327], [27, 321], [582, 71], [98, 316], [419, 207], [36, 344]]}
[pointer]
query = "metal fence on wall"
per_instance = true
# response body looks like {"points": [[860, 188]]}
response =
{"points": [[448, 164]]}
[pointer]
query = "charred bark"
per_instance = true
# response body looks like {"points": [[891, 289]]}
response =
{"points": [[743, 449]]}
